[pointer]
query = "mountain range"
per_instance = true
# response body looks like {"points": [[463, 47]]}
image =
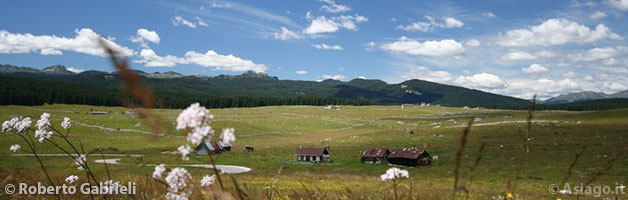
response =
{"points": [[258, 84], [584, 96]]}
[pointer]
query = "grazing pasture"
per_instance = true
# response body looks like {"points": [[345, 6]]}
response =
{"points": [[503, 168]]}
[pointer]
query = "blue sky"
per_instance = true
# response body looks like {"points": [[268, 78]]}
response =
{"points": [[517, 48]]}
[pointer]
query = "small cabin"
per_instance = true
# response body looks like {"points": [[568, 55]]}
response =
{"points": [[130, 112], [375, 155], [409, 157], [224, 146], [208, 147], [249, 149], [315, 155]]}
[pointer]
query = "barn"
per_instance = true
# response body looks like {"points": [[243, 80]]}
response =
{"points": [[206, 147], [375, 155], [316, 155], [409, 157]]}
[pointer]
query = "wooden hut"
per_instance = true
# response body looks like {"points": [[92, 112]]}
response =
{"points": [[316, 155], [409, 157], [208, 147], [375, 155]]}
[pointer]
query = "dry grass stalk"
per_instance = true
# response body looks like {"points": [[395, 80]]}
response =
{"points": [[463, 142]]}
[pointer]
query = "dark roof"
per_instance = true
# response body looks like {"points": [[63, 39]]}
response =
{"points": [[409, 153], [375, 153], [212, 146], [312, 151]]}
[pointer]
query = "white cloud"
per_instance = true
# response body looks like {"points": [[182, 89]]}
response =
{"points": [[451, 22], [599, 53], [178, 20], [481, 81], [448, 47], [544, 88], [534, 68], [518, 56], [369, 46], [301, 72], [287, 34], [556, 32], [332, 7], [75, 70], [448, 22], [201, 22], [215, 4], [488, 14], [85, 41], [619, 4], [425, 73], [335, 77], [209, 59], [144, 35], [597, 15], [362, 77], [472, 43], [613, 86], [328, 47], [322, 24]]}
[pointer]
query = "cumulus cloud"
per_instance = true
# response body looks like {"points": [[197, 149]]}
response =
{"points": [[619, 4], [335, 77], [209, 59], [555, 32], [599, 53], [332, 7], [448, 47], [472, 43], [287, 34], [597, 15], [517, 56], [326, 46], [321, 24], [544, 88], [488, 14], [370, 46], [85, 41], [144, 36], [362, 77], [178, 20], [425, 73], [448, 22], [534, 68], [301, 72], [481, 81]]}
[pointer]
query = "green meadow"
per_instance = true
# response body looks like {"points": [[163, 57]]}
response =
{"points": [[276, 133]]}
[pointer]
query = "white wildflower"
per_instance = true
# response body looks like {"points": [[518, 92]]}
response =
{"points": [[42, 134], [394, 173], [18, 125], [173, 196], [15, 147], [159, 170], [196, 136], [80, 168], [193, 117], [71, 179], [177, 179], [227, 135], [434, 157], [80, 160], [43, 122], [66, 124], [185, 150], [208, 180]]}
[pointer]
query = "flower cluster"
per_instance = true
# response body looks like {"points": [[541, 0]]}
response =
{"points": [[15, 147], [42, 125], [177, 184], [394, 173], [71, 179], [227, 135], [19, 125], [159, 171], [208, 180], [66, 124], [185, 150]]}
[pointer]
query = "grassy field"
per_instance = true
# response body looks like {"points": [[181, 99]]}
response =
{"points": [[276, 133]]}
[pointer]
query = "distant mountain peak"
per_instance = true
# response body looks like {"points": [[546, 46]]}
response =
{"points": [[248, 74], [57, 69]]}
